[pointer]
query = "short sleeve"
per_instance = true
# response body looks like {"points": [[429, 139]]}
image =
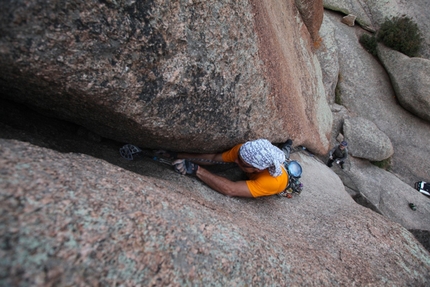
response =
{"points": [[232, 154]]}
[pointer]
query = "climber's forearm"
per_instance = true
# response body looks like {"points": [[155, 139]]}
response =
{"points": [[222, 184]]}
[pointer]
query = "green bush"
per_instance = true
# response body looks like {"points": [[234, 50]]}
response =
{"points": [[384, 164], [401, 34], [369, 43]]}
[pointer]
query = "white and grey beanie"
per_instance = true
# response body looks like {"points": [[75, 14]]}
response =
{"points": [[262, 154]]}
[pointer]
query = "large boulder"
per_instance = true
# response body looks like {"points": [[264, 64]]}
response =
{"points": [[189, 76], [411, 80], [365, 140], [70, 219]]}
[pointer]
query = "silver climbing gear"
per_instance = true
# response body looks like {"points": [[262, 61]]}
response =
{"points": [[128, 150]]}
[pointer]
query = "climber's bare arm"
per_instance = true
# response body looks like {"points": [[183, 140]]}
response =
{"points": [[222, 184]]}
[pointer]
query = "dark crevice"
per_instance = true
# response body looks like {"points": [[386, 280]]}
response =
{"points": [[423, 236], [365, 202], [23, 123]]}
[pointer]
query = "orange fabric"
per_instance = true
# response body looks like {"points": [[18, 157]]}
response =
{"points": [[232, 154], [259, 184]]}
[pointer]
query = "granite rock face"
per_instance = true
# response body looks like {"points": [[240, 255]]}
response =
{"points": [[71, 219], [180, 75]]}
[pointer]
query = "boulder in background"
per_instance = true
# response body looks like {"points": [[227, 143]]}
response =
{"points": [[365, 140]]}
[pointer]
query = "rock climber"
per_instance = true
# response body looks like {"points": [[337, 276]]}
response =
{"points": [[339, 154], [259, 159]]}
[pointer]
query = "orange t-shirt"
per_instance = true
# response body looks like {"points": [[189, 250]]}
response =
{"points": [[262, 183]]}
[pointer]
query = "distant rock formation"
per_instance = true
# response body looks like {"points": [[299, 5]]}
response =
{"points": [[365, 90], [359, 87]]}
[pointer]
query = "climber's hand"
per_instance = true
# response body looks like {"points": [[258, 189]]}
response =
{"points": [[184, 166], [166, 154]]}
